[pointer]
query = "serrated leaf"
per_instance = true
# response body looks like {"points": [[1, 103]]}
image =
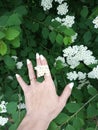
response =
{"points": [[59, 39], [52, 36], [3, 48], [11, 33], [2, 35]]}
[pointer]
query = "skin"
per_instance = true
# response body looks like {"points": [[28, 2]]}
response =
{"points": [[42, 102]]}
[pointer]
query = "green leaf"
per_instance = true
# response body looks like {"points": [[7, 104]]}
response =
{"points": [[13, 19], [52, 126], [91, 90], [69, 32], [52, 36], [11, 33], [16, 42], [72, 107], [59, 39], [91, 111], [9, 62], [2, 35], [70, 127], [11, 107], [3, 48], [90, 128], [21, 10], [87, 36], [67, 40], [84, 12], [35, 27], [45, 33], [61, 118], [3, 20], [78, 123]]}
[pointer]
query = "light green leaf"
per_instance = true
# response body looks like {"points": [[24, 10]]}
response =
{"points": [[11, 107], [11, 33], [59, 39], [3, 48], [69, 32], [16, 42]]}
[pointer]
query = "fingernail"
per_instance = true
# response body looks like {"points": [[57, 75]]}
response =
{"points": [[17, 75], [37, 55], [42, 57], [28, 61], [71, 85]]}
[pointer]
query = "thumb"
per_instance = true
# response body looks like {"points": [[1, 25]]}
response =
{"points": [[65, 94]]}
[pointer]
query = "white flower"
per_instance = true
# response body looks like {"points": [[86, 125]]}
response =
{"points": [[46, 4], [3, 108], [19, 65], [21, 106], [15, 58], [57, 19], [3, 121], [94, 73], [59, 1], [62, 9], [81, 75], [72, 75], [95, 22], [68, 21], [62, 59], [74, 37], [74, 55]]}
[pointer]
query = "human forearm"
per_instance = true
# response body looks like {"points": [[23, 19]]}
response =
{"points": [[29, 123]]}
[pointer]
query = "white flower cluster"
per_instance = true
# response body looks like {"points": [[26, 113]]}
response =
{"points": [[95, 22], [18, 64], [62, 9], [3, 107], [21, 106], [46, 4], [94, 73], [59, 1], [62, 59], [3, 121], [74, 75], [68, 21], [74, 55]]}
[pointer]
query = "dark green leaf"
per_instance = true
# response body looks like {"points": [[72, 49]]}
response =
{"points": [[59, 39]]}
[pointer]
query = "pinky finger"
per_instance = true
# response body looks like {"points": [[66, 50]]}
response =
{"points": [[21, 82]]}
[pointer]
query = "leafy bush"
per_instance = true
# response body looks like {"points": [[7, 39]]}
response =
{"points": [[26, 28]]}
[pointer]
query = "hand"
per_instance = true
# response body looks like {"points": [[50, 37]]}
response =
{"points": [[42, 102]]}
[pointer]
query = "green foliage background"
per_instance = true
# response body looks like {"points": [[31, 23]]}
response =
{"points": [[26, 29]]}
